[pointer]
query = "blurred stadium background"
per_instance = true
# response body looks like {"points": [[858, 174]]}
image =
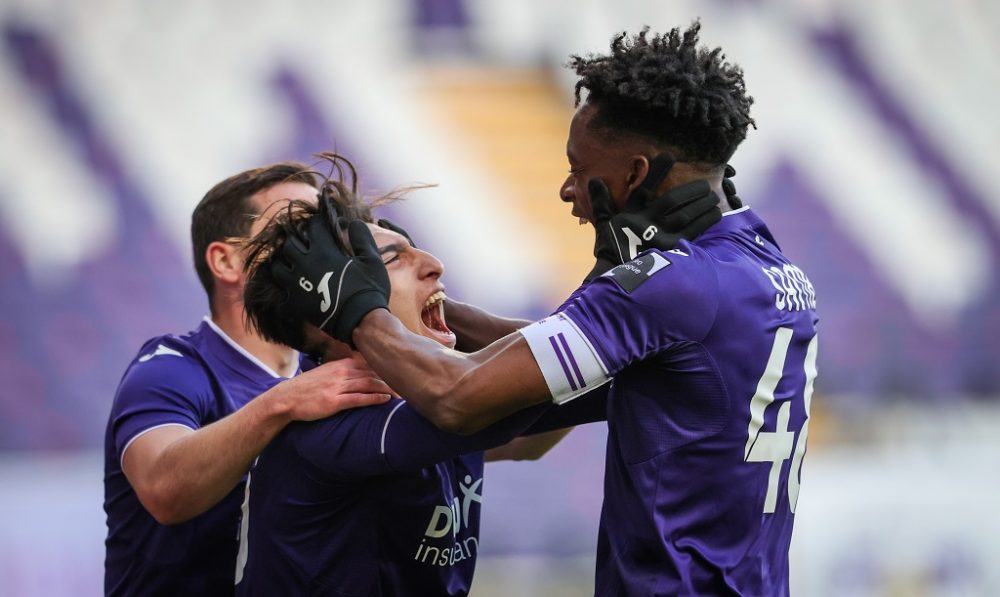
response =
{"points": [[873, 165]]}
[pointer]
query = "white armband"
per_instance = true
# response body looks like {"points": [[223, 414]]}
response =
{"points": [[568, 361]]}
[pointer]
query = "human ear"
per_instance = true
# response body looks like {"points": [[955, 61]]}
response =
{"points": [[638, 169], [224, 261]]}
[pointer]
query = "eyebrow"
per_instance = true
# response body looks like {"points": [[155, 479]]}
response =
{"points": [[394, 247]]}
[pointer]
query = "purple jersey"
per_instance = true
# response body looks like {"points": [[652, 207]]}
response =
{"points": [[712, 351], [190, 381], [371, 501]]}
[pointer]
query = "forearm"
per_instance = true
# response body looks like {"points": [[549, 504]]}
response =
{"points": [[476, 328], [588, 408], [197, 469], [457, 392], [530, 447]]}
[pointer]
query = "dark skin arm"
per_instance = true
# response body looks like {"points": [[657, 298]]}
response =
{"points": [[476, 328], [459, 393]]}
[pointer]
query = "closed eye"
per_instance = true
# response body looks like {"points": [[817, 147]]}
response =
{"points": [[390, 253]]}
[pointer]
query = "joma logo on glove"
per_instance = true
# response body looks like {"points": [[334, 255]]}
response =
{"points": [[323, 290]]}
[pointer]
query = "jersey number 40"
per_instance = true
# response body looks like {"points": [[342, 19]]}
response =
{"points": [[779, 445]]}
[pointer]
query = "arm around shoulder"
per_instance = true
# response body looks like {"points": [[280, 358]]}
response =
{"points": [[179, 472]]}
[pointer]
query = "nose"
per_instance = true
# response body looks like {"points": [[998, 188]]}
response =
{"points": [[566, 190], [430, 266]]}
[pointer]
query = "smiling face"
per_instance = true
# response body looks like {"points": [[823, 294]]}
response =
{"points": [[590, 157], [620, 163], [417, 296]]}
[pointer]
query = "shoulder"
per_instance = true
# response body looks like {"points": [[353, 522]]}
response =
{"points": [[166, 360], [682, 281], [166, 383]]}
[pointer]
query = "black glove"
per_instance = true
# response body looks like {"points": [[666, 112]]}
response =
{"points": [[326, 287], [647, 221], [388, 225], [730, 189]]}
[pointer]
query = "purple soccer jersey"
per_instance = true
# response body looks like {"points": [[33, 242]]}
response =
{"points": [[371, 501], [191, 381], [711, 349]]}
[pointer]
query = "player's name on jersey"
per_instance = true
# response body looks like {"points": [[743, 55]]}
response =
{"points": [[795, 291]]}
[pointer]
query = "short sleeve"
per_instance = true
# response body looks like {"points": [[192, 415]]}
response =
{"points": [[636, 310], [165, 386]]}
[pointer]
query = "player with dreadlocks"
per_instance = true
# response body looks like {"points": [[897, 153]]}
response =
{"points": [[711, 346]]}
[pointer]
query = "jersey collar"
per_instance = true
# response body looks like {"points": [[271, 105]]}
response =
{"points": [[738, 219], [248, 357]]}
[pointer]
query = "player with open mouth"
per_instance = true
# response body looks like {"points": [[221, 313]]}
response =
{"points": [[377, 501]]}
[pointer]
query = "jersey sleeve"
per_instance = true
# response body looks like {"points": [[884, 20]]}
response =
{"points": [[637, 309], [169, 387], [590, 408], [393, 437]]}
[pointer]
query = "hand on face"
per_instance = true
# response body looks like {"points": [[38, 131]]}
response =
{"points": [[326, 287], [648, 221]]}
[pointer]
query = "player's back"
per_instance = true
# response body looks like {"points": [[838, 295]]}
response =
{"points": [[707, 415]]}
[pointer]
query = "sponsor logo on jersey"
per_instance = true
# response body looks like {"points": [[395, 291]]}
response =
{"points": [[450, 519], [632, 274], [160, 351]]}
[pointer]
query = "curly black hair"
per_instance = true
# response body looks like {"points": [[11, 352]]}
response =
{"points": [[265, 300], [666, 89]]}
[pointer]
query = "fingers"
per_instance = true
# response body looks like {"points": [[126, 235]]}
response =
{"points": [[346, 401], [298, 241], [728, 187], [678, 197], [347, 368], [361, 240], [601, 205], [365, 385], [730, 190], [683, 216], [281, 268], [659, 167], [701, 223]]}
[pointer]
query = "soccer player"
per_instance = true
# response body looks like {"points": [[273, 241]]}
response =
{"points": [[193, 411], [371, 501], [379, 500], [711, 346]]}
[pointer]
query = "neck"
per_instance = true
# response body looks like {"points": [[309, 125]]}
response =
{"points": [[231, 319], [683, 173]]}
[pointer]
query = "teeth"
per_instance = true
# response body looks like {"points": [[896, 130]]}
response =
{"points": [[437, 297]]}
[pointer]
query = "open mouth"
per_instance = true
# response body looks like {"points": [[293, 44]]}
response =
{"points": [[432, 316]]}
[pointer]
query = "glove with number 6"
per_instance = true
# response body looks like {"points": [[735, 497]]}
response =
{"points": [[647, 221], [327, 287]]}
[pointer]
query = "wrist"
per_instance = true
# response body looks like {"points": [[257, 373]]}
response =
{"points": [[275, 406], [371, 325]]}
